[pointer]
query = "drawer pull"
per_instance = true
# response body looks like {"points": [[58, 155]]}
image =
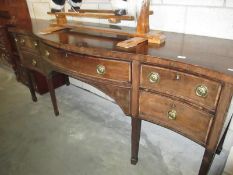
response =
{"points": [[100, 69], [16, 40], [35, 43], [201, 91], [172, 114], [154, 77], [47, 53], [34, 62], [22, 41]]}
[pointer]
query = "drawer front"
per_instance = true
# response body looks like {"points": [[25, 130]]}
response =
{"points": [[89, 66], [200, 91], [27, 43], [5, 58], [175, 115], [31, 61]]}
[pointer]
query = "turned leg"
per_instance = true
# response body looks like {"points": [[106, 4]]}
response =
{"points": [[135, 138], [52, 95], [206, 162], [30, 85]]}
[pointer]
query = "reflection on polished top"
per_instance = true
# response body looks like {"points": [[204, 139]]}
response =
{"points": [[199, 51]]}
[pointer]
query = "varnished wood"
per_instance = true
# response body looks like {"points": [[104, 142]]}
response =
{"points": [[31, 86], [86, 65], [52, 95], [182, 85], [199, 119], [94, 15], [143, 24], [135, 122], [190, 122], [132, 42]]}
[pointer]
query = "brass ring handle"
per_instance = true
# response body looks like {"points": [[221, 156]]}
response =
{"points": [[100, 69], [172, 114], [34, 62], [47, 53], [154, 77], [16, 40], [201, 91]]}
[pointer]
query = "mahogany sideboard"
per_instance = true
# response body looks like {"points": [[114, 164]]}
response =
{"points": [[185, 85]]}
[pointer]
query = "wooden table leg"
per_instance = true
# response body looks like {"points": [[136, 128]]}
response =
{"points": [[30, 85], [135, 139], [67, 81], [52, 95], [206, 162]]}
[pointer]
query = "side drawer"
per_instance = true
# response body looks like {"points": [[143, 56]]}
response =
{"points": [[198, 90], [27, 43], [31, 61], [89, 66], [175, 115]]}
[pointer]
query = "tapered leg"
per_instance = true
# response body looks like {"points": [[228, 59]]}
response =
{"points": [[135, 139], [30, 86], [67, 81], [52, 95], [206, 162]]}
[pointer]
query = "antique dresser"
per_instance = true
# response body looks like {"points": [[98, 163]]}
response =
{"points": [[185, 85]]}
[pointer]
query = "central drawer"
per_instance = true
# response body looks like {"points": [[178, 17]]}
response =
{"points": [[195, 89], [175, 115], [94, 67]]}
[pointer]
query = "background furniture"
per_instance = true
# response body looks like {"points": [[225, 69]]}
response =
{"points": [[15, 13]]}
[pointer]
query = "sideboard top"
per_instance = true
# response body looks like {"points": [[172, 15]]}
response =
{"points": [[199, 51]]}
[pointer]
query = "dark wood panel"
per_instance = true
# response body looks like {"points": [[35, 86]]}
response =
{"points": [[188, 121]]}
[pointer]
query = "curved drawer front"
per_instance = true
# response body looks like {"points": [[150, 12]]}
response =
{"points": [[27, 43], [175, 115], [89, 66], [200, 91], [31, 61]]}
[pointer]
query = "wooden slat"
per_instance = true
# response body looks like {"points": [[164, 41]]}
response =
{"points": [[132, 42], [95, 15], [51, 30], [155, 37]]}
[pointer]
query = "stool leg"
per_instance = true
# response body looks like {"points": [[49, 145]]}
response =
{"points": [[135, 139], [30, 86], [52, 95], [206, 162]]}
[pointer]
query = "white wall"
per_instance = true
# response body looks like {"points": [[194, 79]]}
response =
{"points": [[201, 17]]}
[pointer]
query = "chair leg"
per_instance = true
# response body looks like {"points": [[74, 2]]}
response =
{"points": [[52, 95], [135, 139], [30, 86]]}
